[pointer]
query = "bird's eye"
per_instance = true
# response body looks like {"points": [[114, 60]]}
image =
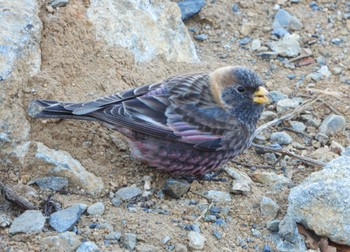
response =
{"points": [[240, 89]]}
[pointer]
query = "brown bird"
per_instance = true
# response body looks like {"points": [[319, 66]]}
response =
{"points": [[187, 124]]}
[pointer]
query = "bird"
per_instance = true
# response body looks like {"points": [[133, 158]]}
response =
{"points": [[188, 124]]}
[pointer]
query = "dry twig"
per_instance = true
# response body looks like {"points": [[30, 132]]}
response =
{"points": [[16, 199]]}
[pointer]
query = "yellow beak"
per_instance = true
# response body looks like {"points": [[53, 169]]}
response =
{"points": [[262, 96]]}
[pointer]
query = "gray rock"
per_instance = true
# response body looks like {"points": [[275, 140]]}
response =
{"points": [[20, 57], [147, 29], [256, 44], [324, 71], [179, 247], [196, 240], [189, 8], [129, 241], [88, 246], [268, 207], [116, 201], [285, 21], [270, 158], [321, 202], [96, 209], [333, 124], [218, 196], [256, 233], [322, 138], [316, 76], [31, 221], [58, 3], [273, 225], [65, 219], [67, 241], [176, 188], [5, 220], [288, 46], [346, 151], [128, 193], [201, 37], [277, 95], [286, 104], [64, 165], [298, 126], [52, 183], [113, 236], [281, 138], [242, 181], [244, 40]]}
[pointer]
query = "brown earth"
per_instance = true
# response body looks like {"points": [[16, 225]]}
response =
{"points": [[77, 67]]}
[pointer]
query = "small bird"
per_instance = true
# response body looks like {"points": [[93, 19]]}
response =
{"points": [[187, 124]]}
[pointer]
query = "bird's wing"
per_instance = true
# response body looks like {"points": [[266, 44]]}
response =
{"points": [[180, 109]]}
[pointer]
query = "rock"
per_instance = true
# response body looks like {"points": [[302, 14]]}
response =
{"points": [[346, 152], [190, 7], [20, 38], [64, 165], [288, 46], [267, 55], [116, 201], [65, 219], [242, 181], [244, 41], [179, 247], [147, 29], [272, 225], [290, 239], [256, 45], [67, 241], [31, 221], [321, 201], [268, 207], [285, 21], [58, 3], [270, 158], [201, 37], [277, 95], [196, 240], [336, 41], [332, 124], [218, 196], [281, 138], [96, 209], [129, 241], [286, 104], [325, 71], [176, 188], [52, 183], [217, 234], [113, 236], [5, 220], [128, 193], [298, 126], [88, 246], [20, 57], [270, 178], [315, 76]]}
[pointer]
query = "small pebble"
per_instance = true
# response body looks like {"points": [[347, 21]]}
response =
{"points": [[116, 201], [176, 188], [201, 37], [87, 246], [298, 126], [268, 207], [196, 240], [58, 3], [217, 234], [129, 241], [244, 40], [281, 138], [179, 247], [127, 193], [336, 41], [96, 209], [291, 76], [272, 225], [332, 124], [31, 221]]}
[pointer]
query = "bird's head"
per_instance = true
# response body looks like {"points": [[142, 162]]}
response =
{"points": [[241, 91]]}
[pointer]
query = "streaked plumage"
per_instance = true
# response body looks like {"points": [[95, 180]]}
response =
{"points": [[187, 124]]}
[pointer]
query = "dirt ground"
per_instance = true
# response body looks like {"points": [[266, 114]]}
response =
{"points": [[76, 67]]}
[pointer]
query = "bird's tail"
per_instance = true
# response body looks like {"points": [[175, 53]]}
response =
{"points": [[55, 109]]}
